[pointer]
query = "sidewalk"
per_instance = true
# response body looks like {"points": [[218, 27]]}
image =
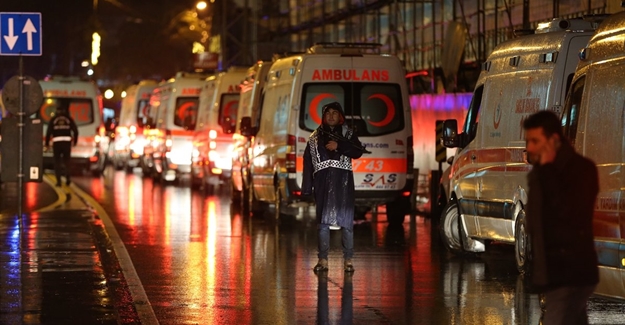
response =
{"points": [[56, 265]]}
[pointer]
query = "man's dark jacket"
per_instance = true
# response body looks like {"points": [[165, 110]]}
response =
{"points": [[560, 208], [333, 188]]}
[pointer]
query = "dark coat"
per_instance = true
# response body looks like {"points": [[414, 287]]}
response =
{"points": [[333, 188], [560, 207]]}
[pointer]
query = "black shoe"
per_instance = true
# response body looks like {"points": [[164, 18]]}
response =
{"points": [[321, 266], [67, 182], [348, 266]]}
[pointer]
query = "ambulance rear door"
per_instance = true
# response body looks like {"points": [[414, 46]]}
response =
{"points": [[371, 89]]}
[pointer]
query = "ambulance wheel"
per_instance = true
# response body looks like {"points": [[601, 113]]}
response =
{"points": [[450, 228], [235, 195], [278, 203], [256, 207], [522, 246], [245, 200]]}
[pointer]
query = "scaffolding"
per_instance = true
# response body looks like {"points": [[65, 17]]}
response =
{"points": [[441, 42]]}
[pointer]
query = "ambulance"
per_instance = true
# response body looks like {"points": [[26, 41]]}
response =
{"points": [[133, 117], [217, 116], [594, 122], [171, 119], [371, 87], [249, 105], [85, 106], [486, 184]]}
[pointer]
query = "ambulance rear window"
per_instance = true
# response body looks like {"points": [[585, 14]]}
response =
{"points": [[372, 109], [81, 109], [228, 110], [185, 115], [143, 108]]}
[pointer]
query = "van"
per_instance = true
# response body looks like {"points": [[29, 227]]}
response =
{"points": [[594, 122], [129, 139], [217, 116], [371, 87], [249, 105], [486, 185], [85, 106], [170, 125]]}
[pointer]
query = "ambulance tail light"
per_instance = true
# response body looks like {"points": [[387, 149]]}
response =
{"points": [[100, 131], [168, 141], [290, 154], [409, 156]]}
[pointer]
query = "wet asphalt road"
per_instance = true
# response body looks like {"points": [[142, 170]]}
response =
{"points": [[201, 262]]}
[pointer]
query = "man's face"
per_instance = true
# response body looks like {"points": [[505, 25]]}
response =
{"points": [[537, 143], [332, 117]]}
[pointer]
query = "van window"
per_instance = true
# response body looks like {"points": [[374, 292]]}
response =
{"points": [[229, 104], [473, 115], [80, 109], [186, 112], [570, 117], [373, 109], [143, 107]]}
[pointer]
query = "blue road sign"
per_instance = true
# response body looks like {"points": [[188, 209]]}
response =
{"points": [[20, 33]]}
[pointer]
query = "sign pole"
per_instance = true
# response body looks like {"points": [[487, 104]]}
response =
{"points": [[20, 128]]}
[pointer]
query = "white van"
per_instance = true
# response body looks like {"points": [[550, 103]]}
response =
{"points": [[486, 185], [85, 107], [217, 116], [371, 87], [249, 105], [171, 122], [129, 139], [594, 121]]}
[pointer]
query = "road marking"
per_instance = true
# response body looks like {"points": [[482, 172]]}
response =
{"points": [[139, 297], [61, 195]]}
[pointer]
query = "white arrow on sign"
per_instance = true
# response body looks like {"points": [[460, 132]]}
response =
{"points": [[10, 38], [29, 29]]}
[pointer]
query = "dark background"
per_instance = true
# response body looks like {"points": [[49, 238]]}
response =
{"points": [[137, 40]]}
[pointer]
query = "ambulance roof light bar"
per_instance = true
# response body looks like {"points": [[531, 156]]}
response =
{"points": [[345, 48]]}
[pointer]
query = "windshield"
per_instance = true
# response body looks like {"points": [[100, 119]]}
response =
{"points": [[371, 109], [186, 112], [80, 109]]}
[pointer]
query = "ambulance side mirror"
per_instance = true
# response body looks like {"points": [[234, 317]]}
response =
{"points": [[450, 134], [246, 126]]}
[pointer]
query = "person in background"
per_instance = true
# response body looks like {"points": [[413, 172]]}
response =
{"points": [[63, 132], [328, 176], [563, 187]]}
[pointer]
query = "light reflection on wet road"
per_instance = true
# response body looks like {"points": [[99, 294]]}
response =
{"points": [[201, 262]]}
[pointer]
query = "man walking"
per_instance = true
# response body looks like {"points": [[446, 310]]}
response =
{"points": [[63, 131], [329, 177], [563, 187]]}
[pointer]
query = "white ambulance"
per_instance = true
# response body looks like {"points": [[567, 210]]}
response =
{"points": [[217, 116], [594, 121], [249, 106], [85, 106], [486, 185], [171, 120], [133, 117], [371, 87]]}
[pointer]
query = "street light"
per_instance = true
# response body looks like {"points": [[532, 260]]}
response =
{"points": [[201, 5]]}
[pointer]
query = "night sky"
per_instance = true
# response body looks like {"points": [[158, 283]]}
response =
{"points": [[136, 43]]}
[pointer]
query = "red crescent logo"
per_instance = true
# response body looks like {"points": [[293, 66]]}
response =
{"points": [[45, 114], [313, 109], [228, 108], [390, 113], [182, 110]]}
